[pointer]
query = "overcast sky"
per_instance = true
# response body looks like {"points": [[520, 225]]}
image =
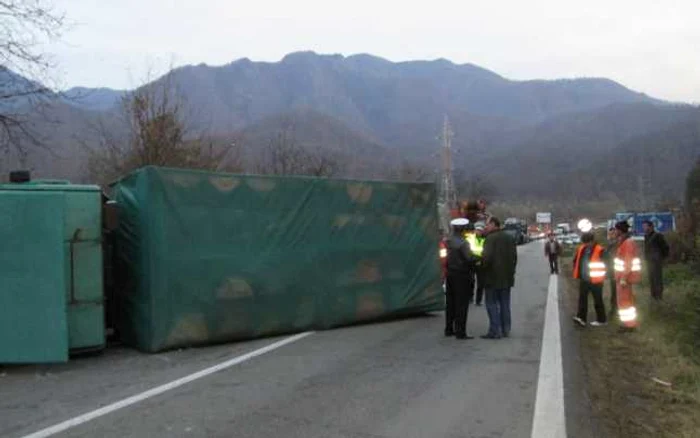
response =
{"points": [[651, 46]]}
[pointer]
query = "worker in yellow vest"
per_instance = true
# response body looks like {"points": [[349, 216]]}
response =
{"points": [[475, 237], [590, 270]]}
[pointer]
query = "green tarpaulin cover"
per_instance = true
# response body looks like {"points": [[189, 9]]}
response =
{"points": [[212, 257]]}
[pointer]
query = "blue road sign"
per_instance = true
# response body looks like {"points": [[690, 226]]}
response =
{"points": [[663, 221]]}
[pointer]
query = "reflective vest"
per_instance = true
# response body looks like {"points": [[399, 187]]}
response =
{"points": [[443, 257], [596, 266], [628, 265], [476, 243]]}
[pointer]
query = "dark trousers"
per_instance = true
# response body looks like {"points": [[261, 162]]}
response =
{"points": [[554, 264], [656, 279], [613, 293], [597, 291], [479, 286], [459, 291], [498, 308]]}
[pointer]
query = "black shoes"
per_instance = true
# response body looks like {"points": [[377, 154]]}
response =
{"points": [[464, 336]]}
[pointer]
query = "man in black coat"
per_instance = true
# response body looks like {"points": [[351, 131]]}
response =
{"points": [[655, 252], [499, 260], [609, 256], [552, 250]]}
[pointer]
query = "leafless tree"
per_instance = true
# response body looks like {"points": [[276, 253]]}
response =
{"points": [[25, 25], [283, 155], [412, 172], [152, 127], [475, 186]]}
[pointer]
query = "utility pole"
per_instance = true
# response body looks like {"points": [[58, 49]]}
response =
{"points": [[448, 193], [641, 181], [447, 198]]}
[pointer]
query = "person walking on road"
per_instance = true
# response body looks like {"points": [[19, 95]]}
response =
{"points": [[609, 257], [552, 250], [589, 269], [655, 252], [499, 261], [628, 272], [460, 281]]}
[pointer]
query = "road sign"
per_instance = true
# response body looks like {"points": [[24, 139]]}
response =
{"points": [[663, 221], [544, 218]]}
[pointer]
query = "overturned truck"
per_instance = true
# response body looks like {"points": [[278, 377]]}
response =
{"points": [[208, 257]]}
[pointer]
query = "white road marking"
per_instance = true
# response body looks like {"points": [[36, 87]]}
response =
{"points": [[550, 419], [81, 419]]}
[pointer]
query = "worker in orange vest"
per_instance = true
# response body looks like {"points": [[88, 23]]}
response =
{"points": [[628, 272], [589, 269]]}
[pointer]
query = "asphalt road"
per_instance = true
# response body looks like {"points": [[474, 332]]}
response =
{"points": [[394, 379]]}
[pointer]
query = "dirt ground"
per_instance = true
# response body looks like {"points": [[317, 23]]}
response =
{"points": [[639, 383]]}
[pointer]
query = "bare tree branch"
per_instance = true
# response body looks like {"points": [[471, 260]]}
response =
{"points": [[152, 128], [283, 155], [25, 26]]}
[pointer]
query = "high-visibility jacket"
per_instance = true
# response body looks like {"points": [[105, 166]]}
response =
{"points": [[628, 264], [443, 257], [476, 243], [596, 265], [628, 271]]}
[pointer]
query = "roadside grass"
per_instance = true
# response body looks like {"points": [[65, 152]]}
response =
{"points": [[621, 368]]}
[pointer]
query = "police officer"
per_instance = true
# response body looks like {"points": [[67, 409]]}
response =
{"points": [[460, 281]]}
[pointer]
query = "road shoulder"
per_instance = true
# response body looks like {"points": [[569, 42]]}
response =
{"points": [[580, 419]]}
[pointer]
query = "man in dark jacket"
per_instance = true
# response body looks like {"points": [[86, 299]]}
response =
{"points": [[460, 281], [552, 250], [609, 257], [655, 252], [499, 260]]}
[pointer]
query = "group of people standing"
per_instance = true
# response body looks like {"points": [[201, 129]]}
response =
{"points": [[480, 256], [621, 263]]}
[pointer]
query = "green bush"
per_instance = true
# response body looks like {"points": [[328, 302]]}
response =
{"points": [[688, 322], [680, 314], [678, 273], [680, 245]]}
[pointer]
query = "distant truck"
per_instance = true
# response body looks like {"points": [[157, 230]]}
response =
{"points": [[517, 228], [564, 227]]}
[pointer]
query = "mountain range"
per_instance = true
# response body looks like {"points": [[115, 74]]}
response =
{"points": [[561, 139]]}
